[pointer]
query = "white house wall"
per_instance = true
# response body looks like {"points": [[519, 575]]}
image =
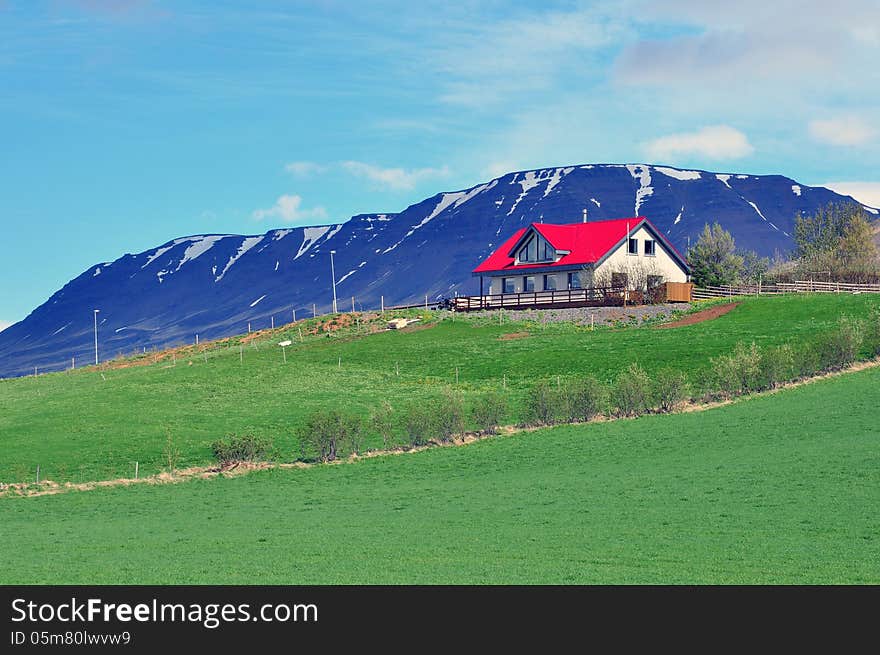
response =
{"points": [[661, 263]]}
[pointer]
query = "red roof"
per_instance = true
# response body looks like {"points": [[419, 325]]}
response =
{"points": [[588, 243]]}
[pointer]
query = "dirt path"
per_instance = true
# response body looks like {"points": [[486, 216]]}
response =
{"points": [[703, 315], [48, 487]]}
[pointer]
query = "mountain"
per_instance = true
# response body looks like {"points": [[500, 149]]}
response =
{"points": [[215, 285]]}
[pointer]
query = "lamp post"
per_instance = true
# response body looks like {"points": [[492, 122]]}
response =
{"points": [[333, 275], [96, 336]]}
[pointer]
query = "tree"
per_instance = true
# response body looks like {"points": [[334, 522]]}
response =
{"points": [[713, 259], [754, 268], [838, 240]]}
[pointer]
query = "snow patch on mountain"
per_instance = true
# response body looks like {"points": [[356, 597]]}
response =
{"points": [[159, 252], [346, 276], [796, 189], [280, 234], [447, 200], [755, 207], [723, 178], [200, 245], [61, 329], [97, 272], [556, 178], [641, 173], [257, 301], [678, 218], [596, 202], [246, 245], [310, 236], [678, 174], [871, 209]]}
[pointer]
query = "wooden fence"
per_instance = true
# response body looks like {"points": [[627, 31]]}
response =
{"points": [[799, 286]]}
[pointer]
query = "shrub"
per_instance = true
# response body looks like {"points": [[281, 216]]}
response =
{"points": [[739, 372], [670, 389], [542, 405], [417, 425], [329, 431], [778, 366], [583, 399], [631, 393], [449, 415], [489, 411], [841, 347], [382, 421], [234, 448]]}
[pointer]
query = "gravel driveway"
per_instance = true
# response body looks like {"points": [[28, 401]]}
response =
{"points": [[581, 315]]}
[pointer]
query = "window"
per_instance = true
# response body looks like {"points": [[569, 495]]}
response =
{"points": [[650, 247], [529, 283], [619, 280], [574, 281], [549, 283], [633, 248], [536, 249], [507, 285]]}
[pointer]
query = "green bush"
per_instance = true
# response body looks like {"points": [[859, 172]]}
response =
{"points": [[234, 449], [328, 432], [382, 422], [842, 346], [737, 373], [489, 412], [583, 399], [670, 389], [631, 394], [438, 419], [542, 405], [778, 366]]}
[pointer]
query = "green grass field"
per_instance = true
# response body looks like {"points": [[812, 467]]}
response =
{"points": [[781, 488], [81, 426]]}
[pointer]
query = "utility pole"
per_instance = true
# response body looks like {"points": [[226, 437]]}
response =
{"points": [[333, 275], [96, 336]]}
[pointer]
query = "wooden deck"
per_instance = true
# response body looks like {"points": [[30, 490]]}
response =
{"points": [[548, 299]]}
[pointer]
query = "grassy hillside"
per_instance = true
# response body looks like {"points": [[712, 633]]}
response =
{"points": [[780, 488], [89, 425]]}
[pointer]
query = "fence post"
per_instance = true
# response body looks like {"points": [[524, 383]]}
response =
{"points": [[382, 301], [426, 302], [314, 310], [294, 315], [38, 474], [136, 470], [352, 304]]}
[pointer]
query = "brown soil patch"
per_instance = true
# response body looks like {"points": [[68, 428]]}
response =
{"points": [[415, 327], [513, 335], [704, 315]]}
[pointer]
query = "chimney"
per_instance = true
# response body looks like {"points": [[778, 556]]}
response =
{"points": [[585, 214]]}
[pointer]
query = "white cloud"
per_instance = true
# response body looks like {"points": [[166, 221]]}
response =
{"points": [[499, 168], [490, 62], [5, 324], [396, 179], [867, 193], [842, 131], [304, 168], [712, 142], [289, 208]]}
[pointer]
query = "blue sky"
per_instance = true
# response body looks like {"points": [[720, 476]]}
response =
{"points": [[127, 123]]}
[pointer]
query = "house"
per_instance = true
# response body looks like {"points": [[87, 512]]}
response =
{"points": [[626, 253]]}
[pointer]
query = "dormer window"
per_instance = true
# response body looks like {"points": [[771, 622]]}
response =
{"points": [[536, 249]]}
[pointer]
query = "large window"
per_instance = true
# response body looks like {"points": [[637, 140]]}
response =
{"points": [[549, 283], [574, 280], [633, 247], [536, 249], [650, 247], [507, 285], [529, 283]]}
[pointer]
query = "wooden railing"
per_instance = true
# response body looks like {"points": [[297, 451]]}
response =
{"points": [[592, 297]]}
